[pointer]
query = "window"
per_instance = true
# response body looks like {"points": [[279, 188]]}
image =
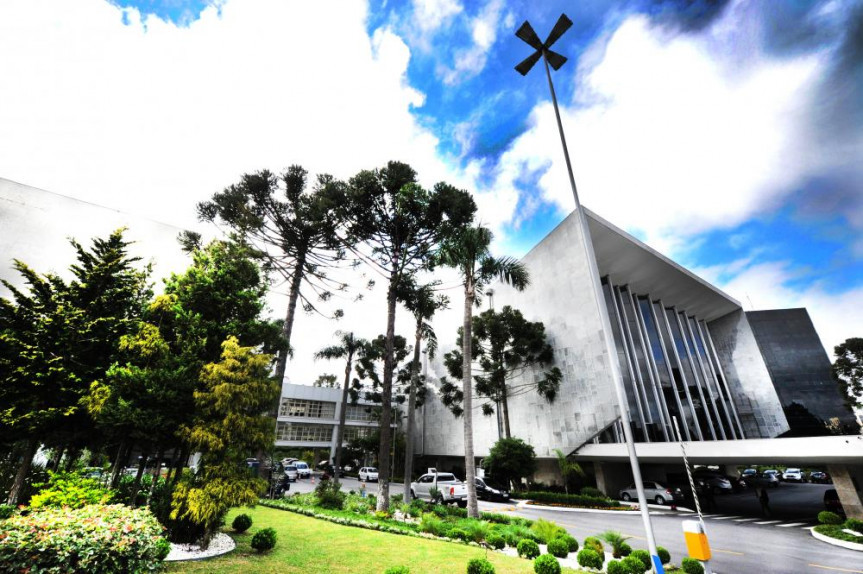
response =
{"points": [[362, 413], [353, 433], [304, 432], [309, 409]]}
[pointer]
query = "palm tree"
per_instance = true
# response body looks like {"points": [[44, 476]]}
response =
{"points": [[348, 347], [568, 468], [421, 301], [468, 252]]}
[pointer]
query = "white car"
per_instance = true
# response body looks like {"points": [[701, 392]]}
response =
{"points": [[653, 492], [303, 469], [291, 473], [369, 474], [792, 475]]}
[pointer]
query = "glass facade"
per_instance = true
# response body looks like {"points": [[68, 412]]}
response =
{"points": [[670, 371], [353, 433], [304, 432], [362, 413], [307, 409]]}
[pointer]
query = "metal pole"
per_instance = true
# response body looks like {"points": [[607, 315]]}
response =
{"points": [[608, 337], [705, 563]]}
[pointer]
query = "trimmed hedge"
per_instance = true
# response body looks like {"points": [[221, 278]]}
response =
{"points": [[827, 517], [264, 539], [558, 548], [632, 564], [595, 544], [546, 564], [835, 531], [664, 555], [96, 539], [570, 499], [588, 558], [571, 543], [397, 570], [854, 524], [527, 549], [496, 541], [691, 566], [479, 566], [242, 523], [642, 555]]}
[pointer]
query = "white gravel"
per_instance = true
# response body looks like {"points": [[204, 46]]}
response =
{"points": [[220, 544], [568, 562]]}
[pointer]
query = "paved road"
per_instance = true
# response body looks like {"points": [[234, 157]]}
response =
{"points": [[741, 542]]}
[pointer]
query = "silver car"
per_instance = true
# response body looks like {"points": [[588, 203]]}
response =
{"points": [[291, 473], [654, 492]]}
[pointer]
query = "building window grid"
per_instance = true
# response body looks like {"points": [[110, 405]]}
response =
{"points": [[304, 432], [354, 433], [307, 409], [361, 413]]}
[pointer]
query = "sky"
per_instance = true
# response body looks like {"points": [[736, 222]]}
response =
{"points": [[728, 135]]}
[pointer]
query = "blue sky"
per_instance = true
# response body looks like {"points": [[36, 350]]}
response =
{"points": [[726, 134]]}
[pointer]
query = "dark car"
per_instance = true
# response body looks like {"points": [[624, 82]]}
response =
{"points": [[819, 477], [831, 501], [485, 491]]}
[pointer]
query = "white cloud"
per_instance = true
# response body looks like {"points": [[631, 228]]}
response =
{"points": [[470, 61], [430, 15]]}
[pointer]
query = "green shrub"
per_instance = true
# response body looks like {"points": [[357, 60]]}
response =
{"points": [[242, 522], [854, 524], [479, 566], [628, 565], [625, 550], [396, 499], [546, 564], [397, 570], [496, 541], [634, 564], [558, 547], [356, 504], [95, 538], [459, 534], [329, 495], [527, 549], [571, 499], [6, 510], [179, 530], [592, 492], [511, 538], [827, 517], [691, 566], [615, 539], [72, 490], [571, 543], [595, 544], [495, 518], [614, 567], [546, 530], [433, 525], [664, 555], [835, 531], [644, 556], [588, 558], [265, 539]]}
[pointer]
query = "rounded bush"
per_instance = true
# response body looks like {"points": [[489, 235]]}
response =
{"points": [[459, 534], [594, 544], [495, 541], [571, 543], [264, 539], [242, 522], [614, 567], [479, 566], [827, 517], [664, 555], [588, 558], [624, 550], [632, 564], [691, 566], [163, 548], [397, 570], [558, 547], [854, 524], [527, 549], [644, 556], [546, 564], [594, 492]]}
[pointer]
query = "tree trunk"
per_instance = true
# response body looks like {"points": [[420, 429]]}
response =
{"points": [[412, 402], [386, 392], [71, 457], [58, 457], [504, 402], [181, 463], [156, 473], [137, 485], [23, 471], [288, 327], [340, 433], [467, 384], [120, 462]]}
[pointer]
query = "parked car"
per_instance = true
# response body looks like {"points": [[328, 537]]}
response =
{"points": [[832, 503], [819, 477], [369, 474], [771, 477], [749, 474], [792, 475], [303, 469], [718, 483], [291, 472], [654, 492], [485, 491], [449, 489]]}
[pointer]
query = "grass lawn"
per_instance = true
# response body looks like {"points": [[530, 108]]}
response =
{"points": [[308, 545]]}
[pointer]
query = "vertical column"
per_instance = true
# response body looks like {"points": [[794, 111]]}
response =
{"points": [[724, 380], [698, 384], [633, 358], [652, 370], [704, 375], [680, 369], [667, 359], [728, 421]]}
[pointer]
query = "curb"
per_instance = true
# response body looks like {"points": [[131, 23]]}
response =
{"points": [[836, 542]]}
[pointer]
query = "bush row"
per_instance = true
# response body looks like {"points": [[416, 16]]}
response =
{"points": [[571, 499]]}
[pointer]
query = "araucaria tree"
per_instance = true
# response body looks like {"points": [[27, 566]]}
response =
{"points": [[848, 371], [291, 229], [228, 425], [422, 302], [349, 348], [402, 225], [468, 252], [504, 346]]}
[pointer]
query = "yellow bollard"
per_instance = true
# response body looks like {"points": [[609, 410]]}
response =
{"points": [[696, 540]]}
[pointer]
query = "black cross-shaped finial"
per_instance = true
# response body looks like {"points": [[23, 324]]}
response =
{"points": [[555, 60]]}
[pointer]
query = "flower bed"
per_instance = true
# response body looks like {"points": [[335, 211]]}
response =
{"points": [[95, 539], [572, 500]]}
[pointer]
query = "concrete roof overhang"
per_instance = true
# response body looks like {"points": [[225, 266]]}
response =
{"points": [[628, 261], [788, 451]]}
